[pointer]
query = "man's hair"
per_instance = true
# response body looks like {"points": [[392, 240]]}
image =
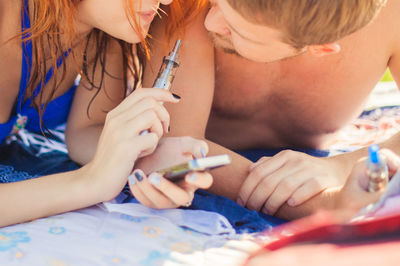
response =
{"points": [[308, 22]]}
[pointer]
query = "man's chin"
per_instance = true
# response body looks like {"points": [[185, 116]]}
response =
{"points": [[222, 44], [226, 50]]}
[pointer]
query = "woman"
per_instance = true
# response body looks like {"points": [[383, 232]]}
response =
{"points": [[55, 35]]}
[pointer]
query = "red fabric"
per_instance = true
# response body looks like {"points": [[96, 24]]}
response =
{"points": [[324, 227], [321, 240], [373, 254]]}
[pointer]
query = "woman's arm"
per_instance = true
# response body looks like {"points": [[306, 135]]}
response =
{"points": [[84, 125], [49, 195], [119, 146]]}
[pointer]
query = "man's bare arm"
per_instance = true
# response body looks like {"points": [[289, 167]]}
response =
{"points": [[346, 161], [194, 82]]}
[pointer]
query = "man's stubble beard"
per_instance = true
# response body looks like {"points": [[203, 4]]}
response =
{"points": [[223, 105], [223, 43]]}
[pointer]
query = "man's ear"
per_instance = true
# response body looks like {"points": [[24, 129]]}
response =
{"points": [[324, 49]]}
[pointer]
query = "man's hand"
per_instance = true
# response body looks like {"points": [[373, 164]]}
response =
{"points": [[291, 177], [354, 194]]}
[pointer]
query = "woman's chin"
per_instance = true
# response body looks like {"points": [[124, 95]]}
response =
{"points": [[135, 38]]}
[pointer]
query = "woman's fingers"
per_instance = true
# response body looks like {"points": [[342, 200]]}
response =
{"points": [[146, 120], [128, 133], [175, 193], [181, 193], [159, 95], [143, 105], [158, 192], [197, 180], [147, 144], [195, 147], [136, 191], [149, 193]]}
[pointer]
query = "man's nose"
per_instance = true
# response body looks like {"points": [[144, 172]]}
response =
{"points": [[215, 22]]}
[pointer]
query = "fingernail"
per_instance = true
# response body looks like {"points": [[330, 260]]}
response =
{"points": [[291, 202], [203, 152], [155, 179], [139, 176], [266, 211], [176, 96], [192, 178], [132, 180], [240, 202]]}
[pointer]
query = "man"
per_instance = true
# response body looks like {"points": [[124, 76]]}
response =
{"points": [[288, 74]]}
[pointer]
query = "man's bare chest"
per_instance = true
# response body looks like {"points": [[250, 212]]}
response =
{"points": [[306, 95]]}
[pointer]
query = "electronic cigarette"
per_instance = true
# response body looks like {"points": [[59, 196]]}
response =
{"points": [[168, 68], [377, 170], [167, 72]]}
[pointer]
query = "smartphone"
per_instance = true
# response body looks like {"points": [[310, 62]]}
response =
{"points": [[179, 171]]}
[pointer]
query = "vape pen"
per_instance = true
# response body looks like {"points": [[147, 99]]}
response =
{"points": [[168, 68], [377, 170], [167, 71]]}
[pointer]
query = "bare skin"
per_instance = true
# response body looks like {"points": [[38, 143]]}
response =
{"points": [[319, 95], [284, 100], [11, 56], [109, 143]]}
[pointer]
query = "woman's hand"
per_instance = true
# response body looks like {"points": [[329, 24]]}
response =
{"points": [[121, 143], [171, 151], [157, 192]]}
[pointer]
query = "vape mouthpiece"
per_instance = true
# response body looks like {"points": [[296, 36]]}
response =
{"points": [[173, 56], [374, 154]]}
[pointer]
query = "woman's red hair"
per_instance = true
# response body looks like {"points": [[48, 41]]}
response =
{"points": [[46, 32]]}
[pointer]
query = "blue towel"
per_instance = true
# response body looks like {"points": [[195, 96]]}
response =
{"points": [[19, 161], [32, 156], [256, 154]]}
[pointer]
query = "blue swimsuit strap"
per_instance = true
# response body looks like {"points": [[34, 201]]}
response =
{"points": [[26, 53], [27, 60]]}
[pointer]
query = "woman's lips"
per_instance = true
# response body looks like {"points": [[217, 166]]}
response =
{"points": [[147, 16]]}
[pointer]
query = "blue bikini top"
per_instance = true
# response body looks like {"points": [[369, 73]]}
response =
{"points": [[25, 115]]}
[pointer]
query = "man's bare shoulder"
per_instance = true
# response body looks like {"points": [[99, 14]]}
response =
{"points": [[194, 30], [389, 21]]}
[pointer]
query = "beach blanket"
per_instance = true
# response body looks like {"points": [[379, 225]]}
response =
{"points": [[122, 232]]}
